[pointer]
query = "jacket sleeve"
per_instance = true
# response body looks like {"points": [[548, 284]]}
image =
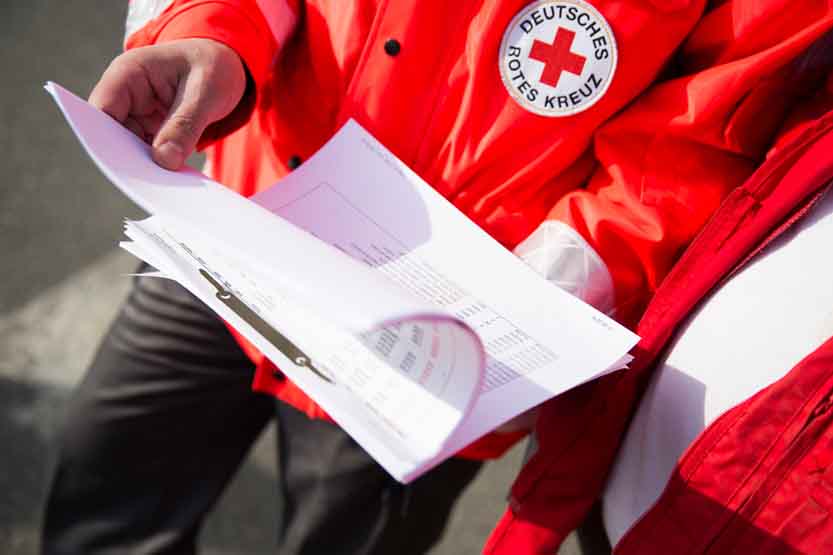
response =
{"points": [[667, 160], [255, 29]]}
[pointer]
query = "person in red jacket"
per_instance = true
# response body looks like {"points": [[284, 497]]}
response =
{"points": [[594, 138]]}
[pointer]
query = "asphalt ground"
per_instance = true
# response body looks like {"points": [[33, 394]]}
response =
{"points": [[63, 279]]}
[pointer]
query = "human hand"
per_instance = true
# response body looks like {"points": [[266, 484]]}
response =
{"points": [[167, 94]]}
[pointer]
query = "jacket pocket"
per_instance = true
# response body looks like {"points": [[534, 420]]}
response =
{"points": [[790, 511]]}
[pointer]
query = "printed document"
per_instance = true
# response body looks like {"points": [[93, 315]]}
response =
{"points": [[415, 330]]}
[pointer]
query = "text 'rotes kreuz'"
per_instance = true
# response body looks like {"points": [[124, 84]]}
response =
{"points": [[557, 58]]}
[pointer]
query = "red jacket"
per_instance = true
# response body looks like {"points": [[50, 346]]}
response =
{"points": [[676, 107], [758, 479], [755, 480]]}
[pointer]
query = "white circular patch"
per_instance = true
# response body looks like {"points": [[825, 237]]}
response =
{"points": [[558, 58]]}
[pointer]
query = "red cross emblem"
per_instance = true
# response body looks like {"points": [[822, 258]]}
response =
{"points": [[557, 57]]}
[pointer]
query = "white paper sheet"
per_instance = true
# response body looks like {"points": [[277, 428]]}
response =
{"points": [[539, 340]]}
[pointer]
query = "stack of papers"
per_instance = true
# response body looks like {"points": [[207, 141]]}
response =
{"points": [[409, 325]]}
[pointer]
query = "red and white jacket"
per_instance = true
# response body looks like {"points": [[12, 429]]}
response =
{"points": [[601, 200], [759, 479]]}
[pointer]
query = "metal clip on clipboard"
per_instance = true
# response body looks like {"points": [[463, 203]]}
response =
{"points": [[273, 336]]}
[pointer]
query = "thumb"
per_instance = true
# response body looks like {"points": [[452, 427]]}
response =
{"points": [[190, 114]]}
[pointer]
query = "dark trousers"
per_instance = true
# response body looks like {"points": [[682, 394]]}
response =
{"points": [[164, 417]]}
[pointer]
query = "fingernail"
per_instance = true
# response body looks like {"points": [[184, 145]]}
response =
{"points": [[169, 155]]}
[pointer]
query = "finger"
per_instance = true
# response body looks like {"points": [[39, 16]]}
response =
{"points": [[136, 128], [122, 89], [151, 123], [190, 114], [110, 96]]}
